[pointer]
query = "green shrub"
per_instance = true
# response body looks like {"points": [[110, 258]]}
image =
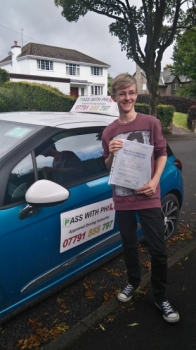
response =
{"points": [[181, 104], [164, 113], [142, 108], [12, 99], [188, 91], [191, 116], [20, 96], [2, 105], [4, 76]]}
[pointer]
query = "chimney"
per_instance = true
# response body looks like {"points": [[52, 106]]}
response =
{"points": [[15, 44], [16, 51]]}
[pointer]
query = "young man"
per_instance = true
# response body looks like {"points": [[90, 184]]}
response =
{"points": [[144, 201]]}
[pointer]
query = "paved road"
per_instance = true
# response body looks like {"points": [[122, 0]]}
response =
{"points": [[139, 325]]}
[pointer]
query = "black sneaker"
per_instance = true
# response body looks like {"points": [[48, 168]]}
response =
{"points": [[127, 293], [169, 314]]}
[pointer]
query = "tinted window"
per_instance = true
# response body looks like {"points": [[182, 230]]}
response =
{"points": [[71, 155]]}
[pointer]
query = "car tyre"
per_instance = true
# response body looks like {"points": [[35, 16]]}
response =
{"points": [[170, 212]]}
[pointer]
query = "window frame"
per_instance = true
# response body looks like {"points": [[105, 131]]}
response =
{"points": [[45, 65], [95, 89], [72, 69], [97, 71], [77, 132]]}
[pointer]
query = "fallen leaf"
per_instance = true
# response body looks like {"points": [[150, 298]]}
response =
{"points": [[102, 327], [133, 324], [110, 319], [147, 265], [109, 295], [139, 291], [39, 335], [142, 250], [88, 286]]}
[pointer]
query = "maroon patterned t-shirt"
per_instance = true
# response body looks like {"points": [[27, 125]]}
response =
{"points": [[145, 129]]}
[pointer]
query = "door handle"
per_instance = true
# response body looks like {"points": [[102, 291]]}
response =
{"points": [[27, 211]]}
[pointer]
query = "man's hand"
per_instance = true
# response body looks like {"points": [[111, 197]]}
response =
{"points": [[115, 145], [148, 189]]}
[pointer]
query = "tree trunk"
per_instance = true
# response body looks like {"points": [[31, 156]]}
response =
{"points": [[152, 84]]}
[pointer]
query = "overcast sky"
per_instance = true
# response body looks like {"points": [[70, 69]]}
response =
{"points": [[41, 21]]}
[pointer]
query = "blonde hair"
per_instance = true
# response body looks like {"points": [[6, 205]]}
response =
{"points": [[123, 81]]}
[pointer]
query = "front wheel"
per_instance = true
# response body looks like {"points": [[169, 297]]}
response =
{"points": [[170, 212]]}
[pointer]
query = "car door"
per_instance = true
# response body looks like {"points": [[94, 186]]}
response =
{"points": [[53, 245]]}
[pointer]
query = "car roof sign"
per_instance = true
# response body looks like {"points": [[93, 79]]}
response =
{"points": [[96, 104]]}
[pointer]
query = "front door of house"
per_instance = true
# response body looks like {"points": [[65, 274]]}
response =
{"points": [[74, 92]]}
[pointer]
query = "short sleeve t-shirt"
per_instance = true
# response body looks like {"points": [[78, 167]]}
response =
{"points": [[145, 129]]}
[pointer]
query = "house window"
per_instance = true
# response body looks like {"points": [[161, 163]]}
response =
{"points": [[82, 91], [175, 86], [96, 71], [96, 90], [45, 65], [72, 69]]}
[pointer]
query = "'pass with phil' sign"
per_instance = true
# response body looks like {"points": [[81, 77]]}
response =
{"points": [[96, 104], [81, 225]]}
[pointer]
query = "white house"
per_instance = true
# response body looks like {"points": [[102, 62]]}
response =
{"points": [[71, 71]]}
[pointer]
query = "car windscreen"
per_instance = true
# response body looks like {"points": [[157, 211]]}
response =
{"points": [[14, 133]]}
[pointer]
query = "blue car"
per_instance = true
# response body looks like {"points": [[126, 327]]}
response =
{"points": [[56, 210]]}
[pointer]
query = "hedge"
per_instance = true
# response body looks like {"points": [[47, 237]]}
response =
{"points": [[181, 104], [191, 116], [20, 96], [2, 105], [164, 113]]}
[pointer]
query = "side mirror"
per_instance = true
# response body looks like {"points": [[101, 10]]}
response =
{"points": [[44, 192]]}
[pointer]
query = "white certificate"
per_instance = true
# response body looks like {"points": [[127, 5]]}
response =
{"points": [[131, 167]]}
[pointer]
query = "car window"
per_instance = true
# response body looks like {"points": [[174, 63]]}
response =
{"points": [[20, 179], [14, 133], [70, 156]]}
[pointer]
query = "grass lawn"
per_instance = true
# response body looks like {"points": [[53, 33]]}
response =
{"points": [[179, 120]]}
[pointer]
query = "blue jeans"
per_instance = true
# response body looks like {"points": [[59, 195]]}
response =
{"points": [[153, 229]]}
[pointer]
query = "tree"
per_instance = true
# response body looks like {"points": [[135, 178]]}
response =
{"points": [[184, 61], [184, 54], [4, 76], [110, 79], [158, 21]]}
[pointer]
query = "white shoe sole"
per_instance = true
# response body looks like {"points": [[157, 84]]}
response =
{"points": [[168, 319], [125, 300]]}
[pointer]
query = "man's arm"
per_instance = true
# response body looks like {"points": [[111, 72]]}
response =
{"points": [[150, 188]]}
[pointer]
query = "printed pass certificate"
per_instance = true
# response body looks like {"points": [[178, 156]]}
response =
{"points": [[131, 167]]}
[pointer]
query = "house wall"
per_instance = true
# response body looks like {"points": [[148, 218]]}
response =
{"points": [[141, 81], [6, 66], [162, 90]]}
